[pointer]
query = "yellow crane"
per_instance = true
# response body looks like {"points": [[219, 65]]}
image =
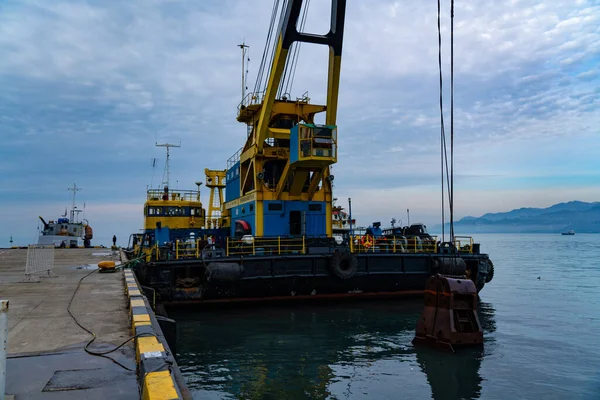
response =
{"points": [[279, 183]]}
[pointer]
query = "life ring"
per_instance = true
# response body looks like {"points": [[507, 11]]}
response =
{"points": [[367, 241], [344, 265]]}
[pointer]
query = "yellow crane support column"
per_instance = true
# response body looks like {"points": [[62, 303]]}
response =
{"points": [[215, 179]]}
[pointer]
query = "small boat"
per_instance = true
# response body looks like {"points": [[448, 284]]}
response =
{"points": [[569, 232], [67, 231]]}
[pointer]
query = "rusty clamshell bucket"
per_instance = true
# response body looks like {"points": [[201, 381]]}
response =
{"points": [[449, 318]]}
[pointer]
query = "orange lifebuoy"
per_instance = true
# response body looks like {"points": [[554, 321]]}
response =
{"points": [[367, 241]]}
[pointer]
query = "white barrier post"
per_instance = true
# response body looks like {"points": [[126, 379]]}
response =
{"points": [[3, 339], [39, 258]]}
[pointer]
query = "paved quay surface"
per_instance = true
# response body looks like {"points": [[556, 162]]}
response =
{"points": [[45, 345]]}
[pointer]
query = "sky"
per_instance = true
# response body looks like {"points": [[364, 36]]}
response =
{"points": [[88, 87]]}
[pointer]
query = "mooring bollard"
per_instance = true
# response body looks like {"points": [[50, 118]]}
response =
{"points": [[3, 339]]}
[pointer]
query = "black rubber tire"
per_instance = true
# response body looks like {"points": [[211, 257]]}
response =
{"points": [[490, 274], [224, 272], [344, 265], [453, 266]]}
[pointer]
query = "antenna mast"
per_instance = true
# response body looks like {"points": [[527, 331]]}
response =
{"points": [[74, 189], [244, 48], [167, 173]]}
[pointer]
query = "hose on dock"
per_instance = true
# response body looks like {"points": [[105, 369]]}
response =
{"points": [[86, 347]]}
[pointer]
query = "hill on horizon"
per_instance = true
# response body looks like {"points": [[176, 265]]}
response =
{"points": [[580, 216]]}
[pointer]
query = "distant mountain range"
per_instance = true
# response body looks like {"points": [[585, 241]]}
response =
{"points": [[577, 215]]}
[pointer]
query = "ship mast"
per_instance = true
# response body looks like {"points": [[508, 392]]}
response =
{"points": [[74, 189], [244, 47], [166, 176]]}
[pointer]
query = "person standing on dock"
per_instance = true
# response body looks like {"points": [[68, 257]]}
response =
{"points": [[114, 240]]}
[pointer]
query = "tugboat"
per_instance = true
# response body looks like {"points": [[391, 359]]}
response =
{"points": [[570, 232], [67, 232], [276, 237]]}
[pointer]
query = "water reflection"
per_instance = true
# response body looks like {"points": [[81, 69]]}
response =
{"points": [[320, 352], [456, 376]]}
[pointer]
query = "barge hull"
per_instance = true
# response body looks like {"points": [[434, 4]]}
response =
{"points": [[295, 277]]}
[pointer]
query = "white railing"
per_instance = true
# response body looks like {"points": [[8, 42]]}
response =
{"points": [[40, 259]]}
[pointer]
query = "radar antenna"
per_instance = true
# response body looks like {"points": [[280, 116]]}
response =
{"points": [[166, 175]]}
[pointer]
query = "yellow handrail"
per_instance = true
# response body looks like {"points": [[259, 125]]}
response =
{"points": [[394, 244]]}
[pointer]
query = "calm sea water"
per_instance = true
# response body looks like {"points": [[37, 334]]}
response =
{"points": [[542, 338]]}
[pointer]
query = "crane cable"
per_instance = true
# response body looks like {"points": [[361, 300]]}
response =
{"points": [[287, 80], [449, 175], [261, 68], [295, 61], [452, 119]]}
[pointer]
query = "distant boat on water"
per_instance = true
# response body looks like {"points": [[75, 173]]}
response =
{"points": [[569, 232]]}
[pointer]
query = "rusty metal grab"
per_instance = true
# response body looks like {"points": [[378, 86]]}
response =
{"points": [[450, 315]]}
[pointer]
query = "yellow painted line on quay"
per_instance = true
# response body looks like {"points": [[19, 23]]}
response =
{"points": [[159, 385], [140, 318], [137, 303], [148, 344]]}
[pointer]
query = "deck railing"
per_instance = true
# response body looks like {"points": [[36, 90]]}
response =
{"points": [[265, 246], [403, 244], [394, 244], [464, 243], [173, 195], [287, 246]]}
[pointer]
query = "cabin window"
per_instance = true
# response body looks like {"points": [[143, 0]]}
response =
{"points": [[275, 206], [174, 211], [243, 210], [152, 211], [251, 207], [315, 207]]}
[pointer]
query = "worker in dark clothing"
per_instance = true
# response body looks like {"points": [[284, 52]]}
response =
{"points": [[114, 240]]}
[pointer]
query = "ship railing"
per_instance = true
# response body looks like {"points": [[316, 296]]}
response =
{"points": [[151, 253], [464, 244], [234, 158], [405, 244], [251, 98], [187, 249], [394, 244], [265, 246], [174, 195]]}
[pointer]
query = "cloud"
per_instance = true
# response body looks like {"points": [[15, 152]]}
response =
{"points": [[88, 87]]}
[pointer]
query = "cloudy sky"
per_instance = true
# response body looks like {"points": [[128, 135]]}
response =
{"points": [[88, 87]]}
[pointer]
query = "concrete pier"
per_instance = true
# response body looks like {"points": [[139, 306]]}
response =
{"points": [[46, 357]]}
